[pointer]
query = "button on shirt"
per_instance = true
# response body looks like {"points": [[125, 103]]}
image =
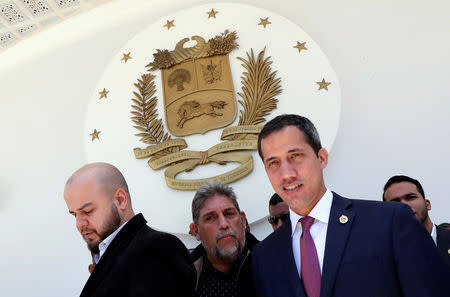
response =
{"points": [[105, 243], [321, 214]]}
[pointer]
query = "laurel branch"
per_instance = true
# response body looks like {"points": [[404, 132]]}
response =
{"points": [[259, 87], [145, 116]]}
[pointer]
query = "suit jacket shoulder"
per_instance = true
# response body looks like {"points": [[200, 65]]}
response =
{"points": [[142, 262], [381, 248], [443, 243]]}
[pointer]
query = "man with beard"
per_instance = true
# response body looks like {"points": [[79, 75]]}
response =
{"points": [[131, 259], [401, 188], [222, 260]]}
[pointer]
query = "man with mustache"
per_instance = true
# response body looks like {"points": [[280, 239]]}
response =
{"points": [[222, 260], [333, 246], [131, 259]]}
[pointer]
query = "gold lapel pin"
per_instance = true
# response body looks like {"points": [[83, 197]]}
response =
{"points": [[343, 219], [448, 251]]}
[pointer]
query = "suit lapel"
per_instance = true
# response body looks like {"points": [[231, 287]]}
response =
{"points": [[118, 244], [288, 262], [339, 226]]}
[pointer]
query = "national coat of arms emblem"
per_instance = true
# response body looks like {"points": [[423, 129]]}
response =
{"points": [[199, 96]]}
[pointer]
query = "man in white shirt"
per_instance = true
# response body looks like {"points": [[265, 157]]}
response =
{"points": [[131, 259], [404, 189], [335, 246]]}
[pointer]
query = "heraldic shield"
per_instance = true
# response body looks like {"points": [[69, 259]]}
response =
{"points": [[199, 95]]}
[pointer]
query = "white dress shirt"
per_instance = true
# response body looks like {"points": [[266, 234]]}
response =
{"points": [[434, 234], [105, 243], [318, 230]]}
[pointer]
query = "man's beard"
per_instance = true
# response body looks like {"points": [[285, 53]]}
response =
{"points": [[423, 216], [226, 255], [110, 225]]}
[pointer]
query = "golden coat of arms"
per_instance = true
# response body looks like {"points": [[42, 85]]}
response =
{"points": [[198, 97], [198, 89]]}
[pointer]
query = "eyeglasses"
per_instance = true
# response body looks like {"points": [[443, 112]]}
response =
{"points": [[273, 220]]}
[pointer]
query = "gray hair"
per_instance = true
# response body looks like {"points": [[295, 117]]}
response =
{"points": [[208, 190]]}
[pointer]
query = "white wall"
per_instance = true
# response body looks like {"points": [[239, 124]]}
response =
{"points": [[391, 58]]}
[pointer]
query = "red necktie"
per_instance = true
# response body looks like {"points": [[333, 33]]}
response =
{"points": [[310, 268]]}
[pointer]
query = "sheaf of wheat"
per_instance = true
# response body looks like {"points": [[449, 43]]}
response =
{"points": [[259, 87]]}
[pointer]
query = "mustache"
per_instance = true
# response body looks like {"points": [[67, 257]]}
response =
{"points": [[291, 180], [222, 233], [84, 230]]}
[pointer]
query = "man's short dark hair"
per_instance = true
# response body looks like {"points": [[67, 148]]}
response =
{"points": [[444, 225], [403, 178], [302, 123], [208, 190], [275, 199]]}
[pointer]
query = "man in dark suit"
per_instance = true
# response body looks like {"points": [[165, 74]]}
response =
{"points": [[131, 258], [402, 188], [331, 245]]}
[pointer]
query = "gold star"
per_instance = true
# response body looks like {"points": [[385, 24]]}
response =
{"points": [[264, 22], [95, 134], [126, 57], [323, 84], [212, 13], [169, 24], [300, 46], [103, 94]]}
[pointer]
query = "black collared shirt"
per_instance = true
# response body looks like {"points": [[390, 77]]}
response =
{"points": [[214, 283]]}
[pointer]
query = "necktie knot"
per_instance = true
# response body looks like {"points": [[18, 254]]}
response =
{"points": [[306, 222]]}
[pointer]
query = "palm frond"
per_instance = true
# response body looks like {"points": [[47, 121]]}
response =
{"points": [[144, 113], [259, 88]]}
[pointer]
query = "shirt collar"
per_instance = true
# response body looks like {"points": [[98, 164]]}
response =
{"points": [[106, 242], [434, 234], [320, 212], [235, 267]]}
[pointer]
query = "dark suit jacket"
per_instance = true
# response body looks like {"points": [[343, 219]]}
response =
{"points": [[443, 243], [382, 251], [142, 262]]}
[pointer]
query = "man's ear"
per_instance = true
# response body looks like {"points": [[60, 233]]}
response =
{"points": [[323, 156], [194, 231], [428, 204], [121, 199], [244, 219]]}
